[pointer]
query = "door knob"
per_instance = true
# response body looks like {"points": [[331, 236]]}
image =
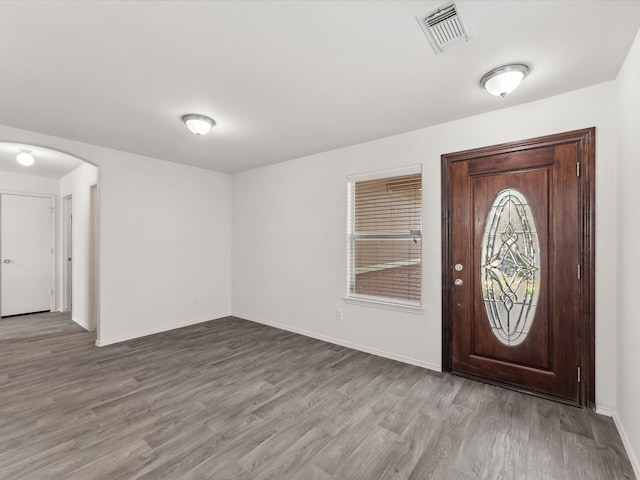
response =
{"points": [[6, 260], [458, 282]]}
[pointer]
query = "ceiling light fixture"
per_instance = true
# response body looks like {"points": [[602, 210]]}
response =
{"points": [[25, 158], [503, 80], [198, 124]]}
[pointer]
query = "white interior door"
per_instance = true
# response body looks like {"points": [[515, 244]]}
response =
{"points": [[26, 254]]}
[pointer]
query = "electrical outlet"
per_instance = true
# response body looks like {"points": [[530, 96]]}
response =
{"points": [[339, 315]]}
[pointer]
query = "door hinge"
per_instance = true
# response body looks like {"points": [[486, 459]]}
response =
{"points": [[577, 169], [51, 209], [579, 374], [52, 292], [579, 272]]}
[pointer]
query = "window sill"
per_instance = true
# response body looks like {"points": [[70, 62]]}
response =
{"points": [[386, 305]]}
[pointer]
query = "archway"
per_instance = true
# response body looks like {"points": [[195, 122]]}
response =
{"points": [[71, 184]]}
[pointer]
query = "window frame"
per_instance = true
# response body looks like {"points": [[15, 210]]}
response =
{"points": [[371, 300]]}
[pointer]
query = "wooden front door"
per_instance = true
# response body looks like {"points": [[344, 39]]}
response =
{"points": [[518, 265]]}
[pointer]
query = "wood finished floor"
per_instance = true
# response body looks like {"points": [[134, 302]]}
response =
{"points": [[231, 399]]}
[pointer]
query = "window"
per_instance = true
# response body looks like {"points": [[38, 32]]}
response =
{"points": [[385, 237]]}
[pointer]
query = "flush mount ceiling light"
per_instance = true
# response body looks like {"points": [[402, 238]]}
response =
{"points": [[25, 158], [503, 80], [198, 124]]}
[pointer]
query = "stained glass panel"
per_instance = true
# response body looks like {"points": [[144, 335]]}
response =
{"points": [[510, 267]]}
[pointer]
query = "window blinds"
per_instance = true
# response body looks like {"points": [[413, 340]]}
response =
{"points": [[385, 239]]}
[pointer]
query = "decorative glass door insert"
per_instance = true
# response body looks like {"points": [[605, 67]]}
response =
{"points": [[510, 267]]}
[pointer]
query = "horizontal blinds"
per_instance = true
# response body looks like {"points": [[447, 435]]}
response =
{"points": [[385, 238], [388, 206]]}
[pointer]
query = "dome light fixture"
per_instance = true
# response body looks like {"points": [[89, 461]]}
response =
{"points": [[503, 80], [25, 158], [198, 124]]}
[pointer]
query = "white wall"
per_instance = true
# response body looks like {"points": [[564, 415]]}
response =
{"points": [[78, 184], [628, 258], [164, 238], [18, 182], [289, 231]]}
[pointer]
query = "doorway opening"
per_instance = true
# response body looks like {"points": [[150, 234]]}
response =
{"points": [[71, 184]]}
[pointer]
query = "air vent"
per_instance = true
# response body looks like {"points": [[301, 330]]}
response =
{"points": [[445, 28]]}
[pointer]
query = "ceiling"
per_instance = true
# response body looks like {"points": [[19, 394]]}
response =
{"points": [[48, 163], [283, 79]]}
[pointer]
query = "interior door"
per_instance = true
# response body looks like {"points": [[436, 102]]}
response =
{"points": [[516, 265], [25, 283]]}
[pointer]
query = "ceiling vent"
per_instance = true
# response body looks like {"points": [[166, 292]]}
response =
{"points": [[446, 26]]}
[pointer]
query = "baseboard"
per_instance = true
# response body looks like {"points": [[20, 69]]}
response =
{"points": [[111, 341], [627, 445], [342, 343], [81, 323], [623, 435], [607, 412]]}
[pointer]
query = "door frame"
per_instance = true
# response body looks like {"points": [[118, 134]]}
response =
{"points": [[585, 138], [67, 248], [94, 258]]}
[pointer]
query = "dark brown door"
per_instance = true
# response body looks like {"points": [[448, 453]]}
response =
{"points": [[515, 264]]}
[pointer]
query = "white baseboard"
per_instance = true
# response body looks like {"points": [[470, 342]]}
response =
{"points": [[81, 323], [606, 411], [343, 343], [623, 435], [627, 445], [109, 341]]}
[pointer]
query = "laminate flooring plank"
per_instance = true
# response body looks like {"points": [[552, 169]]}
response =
{"points": [[167, 427], [370, 458], [579, 458], [181, 451], [217, 469], [232, 399], [545, 440], [417, 438], [573, 420], [482, 432], [443, 445], [87, 427], [406, 378], [298, 386], [364, 410], [115, 465], [399, 418], [508, 455], [25, 467], [309, 472], [352, 425], [286, 465], [287, 436]]}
